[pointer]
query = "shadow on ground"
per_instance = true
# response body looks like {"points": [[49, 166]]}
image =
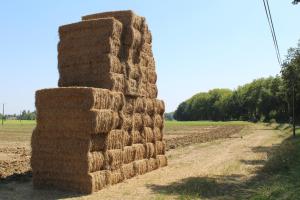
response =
{"points": [[237, 187], [18, 187]]}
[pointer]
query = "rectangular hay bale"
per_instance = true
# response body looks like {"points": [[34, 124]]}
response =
{"points": [[89, 122], [162, 160], [115, 139], [77, 98], [67, 164]]}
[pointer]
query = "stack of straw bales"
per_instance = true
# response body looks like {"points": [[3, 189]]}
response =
{"points": [[104, 123]]}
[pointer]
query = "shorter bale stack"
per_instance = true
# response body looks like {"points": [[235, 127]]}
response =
{"points": [[104, 124], [75, 150]]}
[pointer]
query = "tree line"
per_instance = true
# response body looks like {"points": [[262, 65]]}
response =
{"points": [[263, 99], [24, 115]]}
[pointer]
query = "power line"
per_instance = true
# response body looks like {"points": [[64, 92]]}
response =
{"points": [[272, 29]]}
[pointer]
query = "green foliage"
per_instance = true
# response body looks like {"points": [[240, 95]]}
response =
{"points": [[262, 99], [27, 115]]}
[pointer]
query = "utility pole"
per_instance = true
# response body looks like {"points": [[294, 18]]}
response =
{"points": [[2, 113], [294, 123]]}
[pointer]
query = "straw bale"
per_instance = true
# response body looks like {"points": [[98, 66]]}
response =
{"points": [[142, 89], [108, 24], [159, 106], [86, 46], [118, 101], [135, 137], [133, 71], [127, 18], [143, 74], [51, 182], [67, 163], [98, 63], [146, 48], [152, 76], [128, 154], [149, 150], [53, 134], [77, 98], [139, 105], [129, 105], [88, 183], [140, 166], [158, 121], [158, 135], [115, 139], [127, 122], [112, 81], [77, 121], [128, 170], [146, 61], [115, 176], [114, 159], [162, 160], [126, 138], [94, 69], [149, 106], [60, 145], [134, 37], [98, 179], [160, 147], [140, 151], [152, 164], [137, 121], [152, 90], [131, 87], [147, 135], [147, 121]]}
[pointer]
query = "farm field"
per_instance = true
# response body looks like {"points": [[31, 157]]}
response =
{"points": [[224, 168], [15, 140]]}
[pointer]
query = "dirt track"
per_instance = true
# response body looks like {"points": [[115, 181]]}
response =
{"points": [[234, 159]]}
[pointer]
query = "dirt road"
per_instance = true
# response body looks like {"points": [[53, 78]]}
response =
{"points": [[198, 169]]}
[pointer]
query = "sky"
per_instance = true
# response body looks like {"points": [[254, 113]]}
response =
{"points": [[198, 45]]}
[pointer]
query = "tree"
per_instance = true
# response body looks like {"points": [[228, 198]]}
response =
{"points": [[291, 75], [296, 1]]}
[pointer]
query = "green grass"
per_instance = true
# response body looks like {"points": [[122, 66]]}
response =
{"points": [[16, 131], [18, 122], [281, 174], [204, 123]]}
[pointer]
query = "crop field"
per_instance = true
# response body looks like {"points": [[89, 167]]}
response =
{"points": [[209, 160]]}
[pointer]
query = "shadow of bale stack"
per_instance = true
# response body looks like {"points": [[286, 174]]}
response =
{"points": [[104, 123]]}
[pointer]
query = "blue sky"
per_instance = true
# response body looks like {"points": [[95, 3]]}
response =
{"points": [[198, 45]]}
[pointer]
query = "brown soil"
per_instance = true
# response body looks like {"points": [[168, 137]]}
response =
{"points": [[205, 134], [14, 161]]}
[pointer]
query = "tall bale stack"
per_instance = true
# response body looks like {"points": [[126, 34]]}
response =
{"points": [[104, 123]]}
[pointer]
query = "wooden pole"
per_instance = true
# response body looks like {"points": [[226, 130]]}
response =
{"points": [[294, 123], [2, 113]]}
